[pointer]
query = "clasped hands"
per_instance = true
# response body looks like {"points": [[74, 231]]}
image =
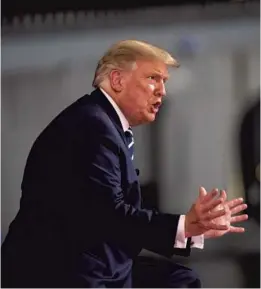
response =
{"points": [[212, 215]]}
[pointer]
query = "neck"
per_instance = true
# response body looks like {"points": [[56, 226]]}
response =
{"points": [[116, 99], [112, 94]]}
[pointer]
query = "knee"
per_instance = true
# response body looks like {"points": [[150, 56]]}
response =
{"points": [[195, 279], [184, 277]]}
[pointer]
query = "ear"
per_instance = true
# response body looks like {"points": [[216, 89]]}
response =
{"points": [[116, 80]]}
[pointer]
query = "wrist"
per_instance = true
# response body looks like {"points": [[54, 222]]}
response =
{"points": [[186, 229]]}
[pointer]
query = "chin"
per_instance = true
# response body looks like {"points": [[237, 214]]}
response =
{"points": [[151, 117], [145, 119]]}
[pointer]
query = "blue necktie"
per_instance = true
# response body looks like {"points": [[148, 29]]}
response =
{"points": [[130, 141]]}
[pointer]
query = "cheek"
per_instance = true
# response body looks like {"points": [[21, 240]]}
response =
{"points": [[141, 96], [151, 87]]}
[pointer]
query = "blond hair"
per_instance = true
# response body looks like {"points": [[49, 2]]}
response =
{"points": [[123, 54]]}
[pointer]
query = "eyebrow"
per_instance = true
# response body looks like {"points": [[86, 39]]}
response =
{"points": [[164, 76], [161, 74]]}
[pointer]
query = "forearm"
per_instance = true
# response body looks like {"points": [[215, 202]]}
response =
{"points": [[152, 230]]}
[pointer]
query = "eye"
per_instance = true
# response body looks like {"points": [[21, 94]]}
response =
{"points": [[152, 77]]}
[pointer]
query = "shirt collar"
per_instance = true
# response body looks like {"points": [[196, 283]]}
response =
{"points": [[124, 122]]}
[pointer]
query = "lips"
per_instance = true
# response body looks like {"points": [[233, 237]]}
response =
{"points": [[156, 106]]}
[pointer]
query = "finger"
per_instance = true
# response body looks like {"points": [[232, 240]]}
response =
{"points": [[211, 205], [223, 195], [233, 229], [235, 202], [209, 216], [238, 209], [213, 226], [202, 193], [209, 196], [237, 219]]}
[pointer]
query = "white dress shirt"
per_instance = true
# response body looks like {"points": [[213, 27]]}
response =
{"points": [[180, 241]]}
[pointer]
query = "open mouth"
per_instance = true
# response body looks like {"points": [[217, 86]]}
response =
{"points": [[156, 106]]}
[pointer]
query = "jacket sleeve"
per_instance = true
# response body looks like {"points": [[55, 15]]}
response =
{"points": [[116, 219]]}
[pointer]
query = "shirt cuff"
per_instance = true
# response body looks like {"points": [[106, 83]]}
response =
{"points": [[181, 240], [197, 242]]}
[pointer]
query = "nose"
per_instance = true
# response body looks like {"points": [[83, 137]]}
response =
{"points": [[161, 91]]}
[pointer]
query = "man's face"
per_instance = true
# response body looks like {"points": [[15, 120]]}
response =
{"points": [[143, 90]]}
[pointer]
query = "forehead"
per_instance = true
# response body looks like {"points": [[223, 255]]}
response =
{"points": [[150, 67]]}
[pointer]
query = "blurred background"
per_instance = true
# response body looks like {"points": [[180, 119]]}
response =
{"points": [[206, 134]]}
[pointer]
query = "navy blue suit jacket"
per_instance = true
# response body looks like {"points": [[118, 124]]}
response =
{"points": [[81, 221]]}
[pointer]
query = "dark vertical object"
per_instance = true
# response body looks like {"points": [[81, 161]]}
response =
{"points": [[250, 161], [250, 158], [250, 264]]}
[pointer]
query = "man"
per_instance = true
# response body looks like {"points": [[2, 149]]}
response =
{"points": [[81, 222]]}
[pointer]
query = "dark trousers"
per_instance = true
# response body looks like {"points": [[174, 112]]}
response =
{"points": [[149, 272]]}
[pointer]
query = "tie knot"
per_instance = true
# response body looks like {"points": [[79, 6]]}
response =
{"points": [[129, 132]]}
